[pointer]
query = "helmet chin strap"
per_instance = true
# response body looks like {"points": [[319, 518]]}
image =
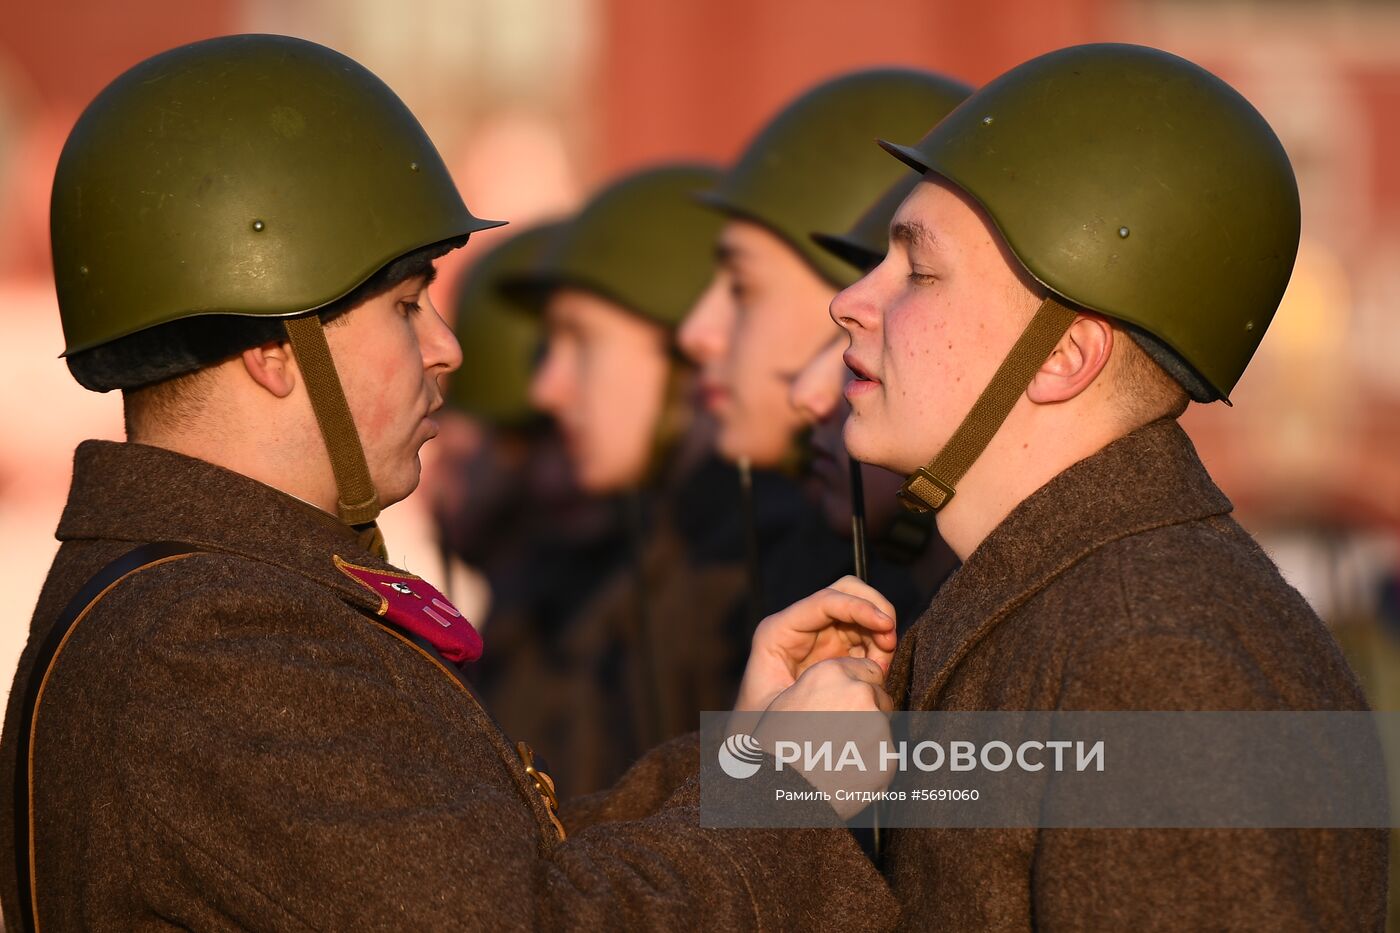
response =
{"points": [[932, 486], [358, 502]]}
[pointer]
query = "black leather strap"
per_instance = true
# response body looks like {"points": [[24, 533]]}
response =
{"points": [[95, 588]]}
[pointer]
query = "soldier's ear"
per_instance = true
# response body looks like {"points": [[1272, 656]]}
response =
{"points": [[272, 366], [1076, 362]]}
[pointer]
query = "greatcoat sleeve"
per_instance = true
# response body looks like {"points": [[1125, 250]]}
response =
{"points": [[285, 776], [645, 787]]}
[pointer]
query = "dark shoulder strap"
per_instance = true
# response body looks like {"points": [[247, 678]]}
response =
{"points": [[146, 555]]}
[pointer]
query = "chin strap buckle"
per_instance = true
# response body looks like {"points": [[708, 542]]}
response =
{"points": [[923, 492]]}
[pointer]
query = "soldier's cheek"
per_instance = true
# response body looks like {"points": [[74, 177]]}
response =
{"points": [[384, 407]]}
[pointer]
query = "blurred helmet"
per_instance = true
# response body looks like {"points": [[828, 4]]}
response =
{"points": [[1136, 184], [498, 333], [245, 175], [642, 242], [865, 244], [812, 168]]}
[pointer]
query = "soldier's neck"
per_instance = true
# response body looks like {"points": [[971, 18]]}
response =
{"points": [[1032, 448], [299, 475]]}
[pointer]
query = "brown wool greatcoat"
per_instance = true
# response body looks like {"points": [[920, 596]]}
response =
{"points": [[1123, 584], [231, 740]]}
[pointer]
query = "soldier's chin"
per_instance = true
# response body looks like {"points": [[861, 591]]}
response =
{"points": [[868, 444], [593, 484], [856, 436], [400, 486], [763, 444], [600, 476], [729, 441]]}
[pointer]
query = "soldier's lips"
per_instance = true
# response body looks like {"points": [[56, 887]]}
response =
{"points": [[863, 382], [713, 397], [858, 387], [429, 421]]}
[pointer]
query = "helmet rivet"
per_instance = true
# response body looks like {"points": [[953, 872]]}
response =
{"points": [[82, 270], [1123, 232], [413, 166], [1249, 325], [259, 226], [987, 120]]}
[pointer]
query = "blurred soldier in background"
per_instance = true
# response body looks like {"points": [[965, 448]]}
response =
{"points": [[505, 500], [1102, 234], [764, 315], [658, 643], [232, 712]]}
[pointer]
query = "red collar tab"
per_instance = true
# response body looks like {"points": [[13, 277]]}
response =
{"points": [[415, 606]]}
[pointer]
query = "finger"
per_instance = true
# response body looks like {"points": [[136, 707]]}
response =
{"points": [[855, 586], [880, 656], [863, 643], [850, 617], [862, 669], [832, 606], [859, 636]]}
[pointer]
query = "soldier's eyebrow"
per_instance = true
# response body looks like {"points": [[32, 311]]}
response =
{"points": [[725, 254], [730, 257], [420, 280], [911, 233]]}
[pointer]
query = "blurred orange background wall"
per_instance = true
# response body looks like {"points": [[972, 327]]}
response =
{"points": [[534, 102]]}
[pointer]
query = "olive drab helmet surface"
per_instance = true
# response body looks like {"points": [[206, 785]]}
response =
{"points": [[247, 175], [865, 244], [1136, 184], [1128, 182], [643, 242], [499, 332], [813, 168]]}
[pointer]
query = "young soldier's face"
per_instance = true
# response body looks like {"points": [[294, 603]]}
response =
{"points": [[705, 337], [928, 327], [775, 308], [390, 354], [603, 379]]}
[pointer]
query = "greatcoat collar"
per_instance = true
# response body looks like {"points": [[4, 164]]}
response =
{"points": [[139, 493], [1150, 478]]}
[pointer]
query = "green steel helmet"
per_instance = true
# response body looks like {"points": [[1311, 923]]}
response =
{"points": [[812, 168], [498, 332], [1136, 184], [246, 175], [865, 244], [643, 242]]}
